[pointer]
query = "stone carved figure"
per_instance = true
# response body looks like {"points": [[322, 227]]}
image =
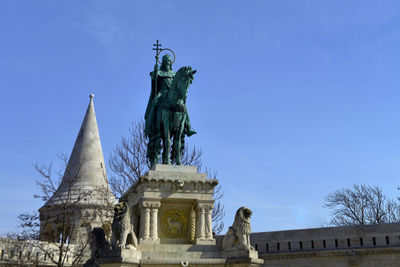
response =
{"points": [[174, 223], [99, 246], [123, 235], [166, 114], [174, 226], [238, 235]]}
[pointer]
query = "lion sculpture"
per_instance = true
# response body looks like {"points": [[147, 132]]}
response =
{"points": [[238, 235], [123, 235]]}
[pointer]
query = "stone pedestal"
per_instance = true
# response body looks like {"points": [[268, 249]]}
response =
{"points": [[174, 204], [242, 258], [171, 209], [120, 257], [232, 254]]}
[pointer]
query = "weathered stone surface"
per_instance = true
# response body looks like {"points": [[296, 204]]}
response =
{"points": [[175, 168], [86, 170]]}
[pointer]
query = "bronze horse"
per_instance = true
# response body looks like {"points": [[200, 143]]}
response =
{"points": [[172, 116]]}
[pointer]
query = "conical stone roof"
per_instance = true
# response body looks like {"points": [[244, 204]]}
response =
{"points": [[85, 179]]}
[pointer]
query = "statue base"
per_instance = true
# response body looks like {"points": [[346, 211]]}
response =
{"points": [[171, 208], [242, 257], [210, 241], [120, 257], [180, 255]]}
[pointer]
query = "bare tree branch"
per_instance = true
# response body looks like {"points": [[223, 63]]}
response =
{"points": [[63, 198], [361, 205]]}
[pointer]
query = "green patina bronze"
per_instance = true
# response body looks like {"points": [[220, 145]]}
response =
{"points": [[166, 114]]}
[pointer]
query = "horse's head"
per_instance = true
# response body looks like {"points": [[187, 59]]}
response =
{"points": [[183, 78], [189, 73]]}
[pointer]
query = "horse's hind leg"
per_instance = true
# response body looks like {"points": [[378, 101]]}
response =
{"points": [[165, 152], [178, 142]]}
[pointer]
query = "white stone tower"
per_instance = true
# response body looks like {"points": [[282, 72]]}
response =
{"points": [[84, 199]]}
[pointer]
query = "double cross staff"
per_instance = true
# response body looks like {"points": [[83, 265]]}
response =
{"points": [[158, 50]]}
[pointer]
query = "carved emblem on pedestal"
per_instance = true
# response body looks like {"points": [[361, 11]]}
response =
{"points": [[174, 224]]}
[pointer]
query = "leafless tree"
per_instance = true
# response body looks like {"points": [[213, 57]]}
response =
{"points": [[57, 246], [218, 212], [128, 162], [361, 205]]}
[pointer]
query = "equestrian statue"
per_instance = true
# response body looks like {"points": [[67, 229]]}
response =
{"points": [[166, 117]]}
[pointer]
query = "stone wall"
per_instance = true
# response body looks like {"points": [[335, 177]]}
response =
{"points": [[361, 246], [369, 246], [35, 253]]}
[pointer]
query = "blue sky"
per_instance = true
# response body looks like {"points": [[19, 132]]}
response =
{"points": [[292, 99]]}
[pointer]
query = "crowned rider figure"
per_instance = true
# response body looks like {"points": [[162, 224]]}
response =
{"points": [[161, 81], [159, 90]]}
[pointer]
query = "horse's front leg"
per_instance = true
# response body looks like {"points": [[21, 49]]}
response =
{"points": [[167, 138], [154, 149]]}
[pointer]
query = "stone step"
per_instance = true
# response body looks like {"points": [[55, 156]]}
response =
{"points": [[178, 247], [181, 255], [173, 251]]}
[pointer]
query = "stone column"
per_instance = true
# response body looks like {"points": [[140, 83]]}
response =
{"points": [[204, 223], [200, 222], [144, 221], [154, 220], [208, 223]]}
